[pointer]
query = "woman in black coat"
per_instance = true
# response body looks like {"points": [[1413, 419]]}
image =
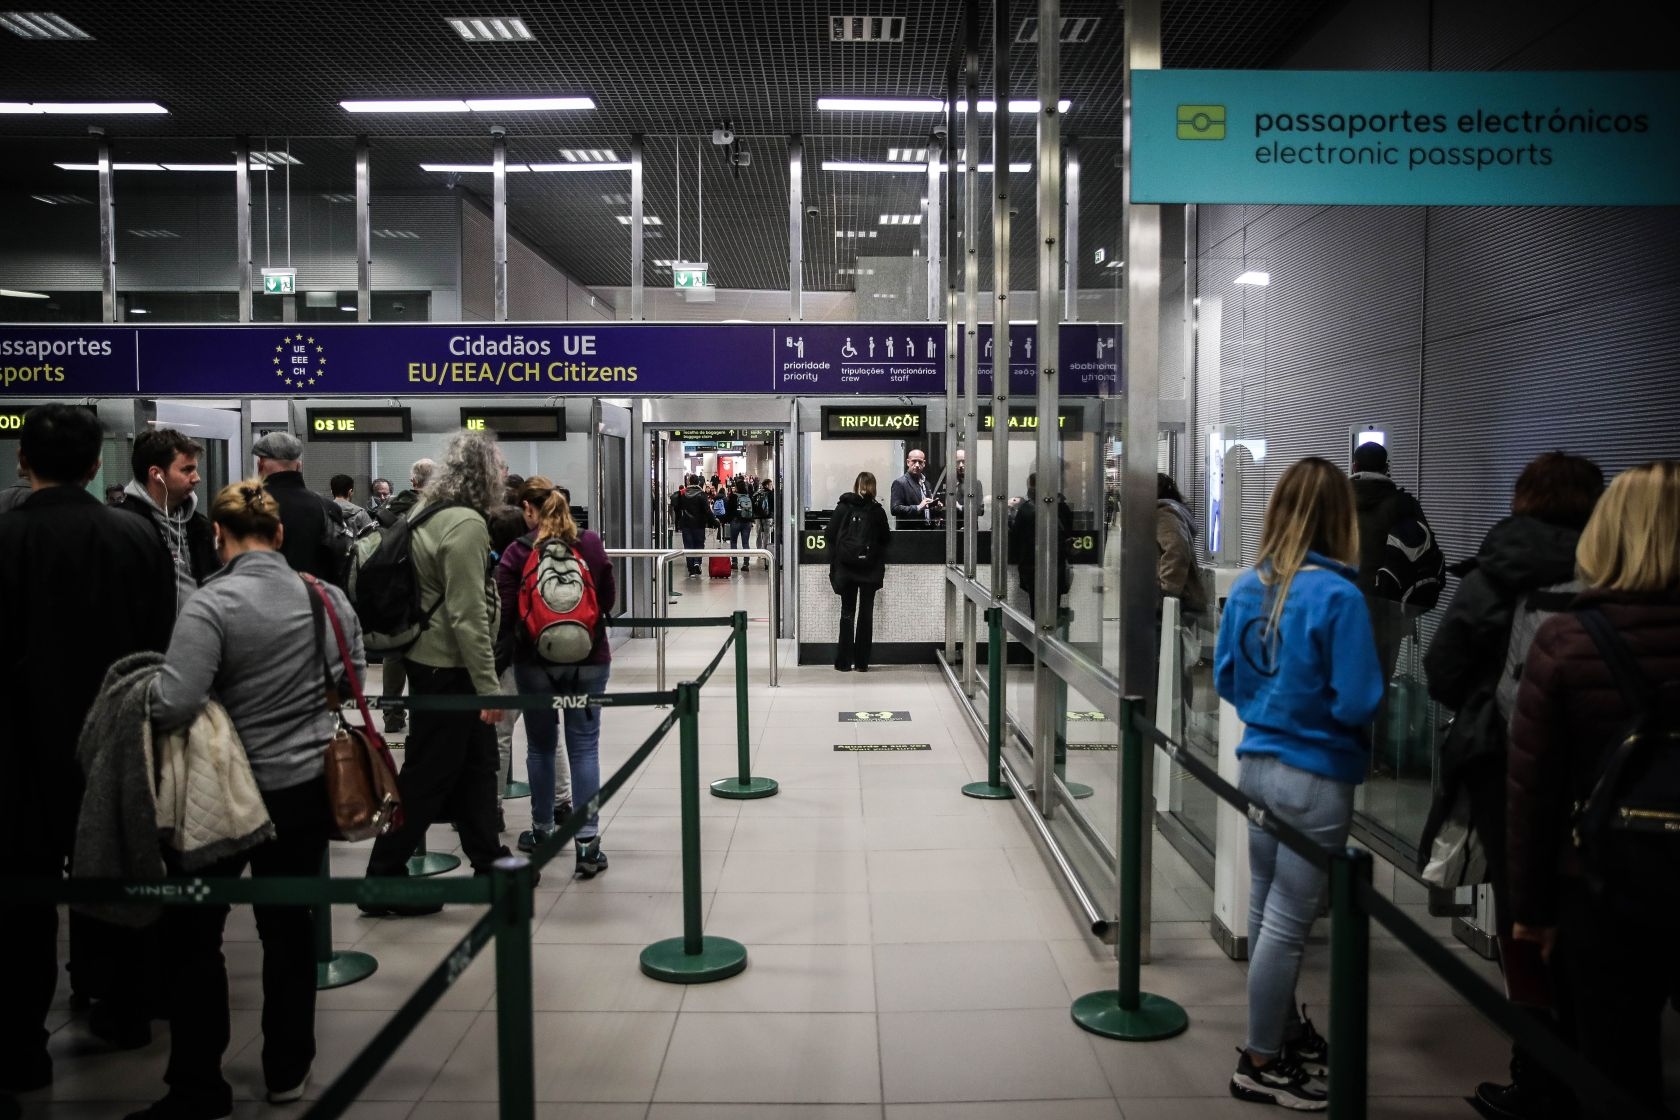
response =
{"points": [[1532, 549], [857, 567]]}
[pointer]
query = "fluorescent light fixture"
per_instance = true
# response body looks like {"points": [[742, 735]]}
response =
{"points": [[275, 159], [529, 104], [403, 106], [143, 311], [856, 271], [580, 167], [156, 234], [396, 234], [7, 292], [986, 168], [474, 105], [662, 263], [492, 29], [616, 199], [80, 108], [919, 105], [589, 155], [900, 220], [339, 197], [865, 165], [1116, 264], [906, 155], [471, 168], [853, 233], [212, 167], [1255, 278], [114, 166], [880, 105], [647, 219], [41, 25], [62, 199], [348, 307]]}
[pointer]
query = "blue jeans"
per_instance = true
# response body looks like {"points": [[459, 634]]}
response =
{"points": [[1286, 889], [583, 738], [740, 536], [694, 538]]}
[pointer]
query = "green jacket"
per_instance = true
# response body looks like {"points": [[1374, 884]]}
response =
{"points": [[451, 561]]}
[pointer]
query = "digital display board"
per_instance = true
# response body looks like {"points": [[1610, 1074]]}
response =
{"points": [[882, 422], [1025, 419], [11, 416], [343, 424], [517, 423]]}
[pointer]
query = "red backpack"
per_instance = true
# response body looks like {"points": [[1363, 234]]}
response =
{"points": [[557, 605]]}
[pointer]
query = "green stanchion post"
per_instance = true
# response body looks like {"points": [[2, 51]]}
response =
{"points": [[511, 886], [1128, 1013], [1350, 983], [692, 958], [993, 789], [336, 968], [743, 787], [424, 863]]}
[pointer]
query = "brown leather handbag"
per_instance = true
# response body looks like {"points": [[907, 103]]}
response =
{"points": [[361, 775]]}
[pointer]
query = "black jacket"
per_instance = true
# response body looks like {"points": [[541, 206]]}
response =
{"points": [[307, 545], [398, 506], [693, 510], [873, 574], [80, 586], [1023, 546], [906, 496], [1380, 503], [201, 540]]}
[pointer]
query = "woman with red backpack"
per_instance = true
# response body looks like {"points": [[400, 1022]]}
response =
{"points": [[565, 588]]}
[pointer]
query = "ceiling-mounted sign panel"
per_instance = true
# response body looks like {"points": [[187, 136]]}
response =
{"points": [[530, 360], [517, 423], [1386, 138], [358, 424]]}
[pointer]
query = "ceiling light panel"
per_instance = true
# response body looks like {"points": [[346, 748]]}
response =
{"points": [[589, 155], [850, 234], [901, 220], [62, 199], [80, 108], [1075, 29], [472, 105], [647, 219], [906, 155], [396, 234], [41, 26], [339, 197], [156, 234], [580, 167], [275, 159], [866, 29], [471, 168], [491, 29]]}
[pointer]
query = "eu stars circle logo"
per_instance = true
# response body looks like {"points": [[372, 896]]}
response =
{"points": [[300, 360]]}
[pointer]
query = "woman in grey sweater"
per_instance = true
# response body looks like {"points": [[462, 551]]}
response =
{"points": [[247, 638]]}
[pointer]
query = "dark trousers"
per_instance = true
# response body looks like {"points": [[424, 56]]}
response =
{"points": [[29, 940], [197, 973], [448, 774], [857, 627], [1618, 968], [694, 538]]}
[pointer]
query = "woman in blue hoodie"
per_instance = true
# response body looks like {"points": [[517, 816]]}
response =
{"points": [[1297, 659]]}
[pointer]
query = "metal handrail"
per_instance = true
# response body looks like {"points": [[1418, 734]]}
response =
{"points": [[661, 580]]}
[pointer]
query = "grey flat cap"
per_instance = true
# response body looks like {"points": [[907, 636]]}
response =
{"points": [[278, 445]]}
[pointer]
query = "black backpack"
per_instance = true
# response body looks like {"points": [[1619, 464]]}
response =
{"points": [[743, 506], [762, 504], [1414, 570], [384, 587], [1628, 828], [853, 545]]}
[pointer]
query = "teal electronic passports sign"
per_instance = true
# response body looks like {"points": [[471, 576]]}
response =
{"points": [[1405, 138]]}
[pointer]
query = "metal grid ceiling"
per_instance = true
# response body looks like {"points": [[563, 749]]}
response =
{"points": [[664, 70]]}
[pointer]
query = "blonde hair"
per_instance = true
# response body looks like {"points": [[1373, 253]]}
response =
{"points": [[865, 485], [244, 509], [1311, 510], [554, 518], [1632, 540], [536, 490]]}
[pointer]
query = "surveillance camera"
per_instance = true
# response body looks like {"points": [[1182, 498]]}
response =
{"points": [[940, 132], [497, 131], [723, 136], [811, 211], [741, 159]]}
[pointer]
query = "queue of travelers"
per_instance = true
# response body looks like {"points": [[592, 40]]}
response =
{"points": [[735, 507], [151, 621]]}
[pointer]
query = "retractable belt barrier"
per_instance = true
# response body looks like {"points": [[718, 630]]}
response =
{"points": [[691, 958], [1353, 904]]}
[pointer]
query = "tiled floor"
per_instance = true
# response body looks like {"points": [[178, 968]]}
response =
{"points": [[911, 957]]}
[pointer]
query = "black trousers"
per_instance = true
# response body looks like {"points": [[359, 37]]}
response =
{"points": [[857, 627], [197, 972], [694, 538], [448, 774]]}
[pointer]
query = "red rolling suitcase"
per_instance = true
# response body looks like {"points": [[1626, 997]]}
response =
{"points": [[718, 567]]}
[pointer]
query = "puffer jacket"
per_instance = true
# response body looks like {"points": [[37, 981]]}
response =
{"points": [[1570, 714]]}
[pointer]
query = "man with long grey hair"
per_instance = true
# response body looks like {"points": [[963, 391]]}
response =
{"points": [[450, 769]]}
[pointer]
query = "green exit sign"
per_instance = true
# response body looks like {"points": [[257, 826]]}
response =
{"points": [[686, 274], [279, 281]]}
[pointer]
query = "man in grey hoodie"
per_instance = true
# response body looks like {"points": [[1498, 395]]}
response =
{"points": [[163, 491]]}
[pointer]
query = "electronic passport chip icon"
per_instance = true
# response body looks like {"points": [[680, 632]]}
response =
{"points": [[1201, 122]]}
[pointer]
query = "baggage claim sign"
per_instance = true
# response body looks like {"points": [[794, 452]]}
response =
{"points": [[632, 359]]}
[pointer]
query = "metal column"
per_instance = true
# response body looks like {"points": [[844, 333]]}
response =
{"points": [[935, 251], [1070, 232], [499, 238], [242, 221], [939, 310], [1138, 587], [638, 310], [364, 232], [1049, 699], [1000, 296], [796, 229], [107, 232], [971, 326]]}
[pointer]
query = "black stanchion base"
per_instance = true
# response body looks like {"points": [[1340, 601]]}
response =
{"points": [[346, 967], [1153, 1019], [751, 789]]}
